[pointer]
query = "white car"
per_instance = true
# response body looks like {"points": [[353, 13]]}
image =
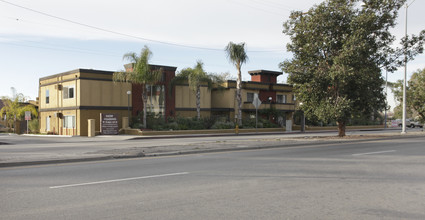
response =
{"points": [[411, 123]]}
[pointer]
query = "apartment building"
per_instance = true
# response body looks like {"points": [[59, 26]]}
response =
{"points": [[67, 100], [264, 84]]}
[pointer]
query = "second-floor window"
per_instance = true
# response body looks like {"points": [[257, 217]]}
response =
{"points": [[47, 96], [250, 97], [281, 98], [68, 92]]}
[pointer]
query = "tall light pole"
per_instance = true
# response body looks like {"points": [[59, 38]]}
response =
{"points": [[302, 118], [128, 102], [386, 98], [403, 128]]}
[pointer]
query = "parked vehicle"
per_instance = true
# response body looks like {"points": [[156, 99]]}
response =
{"points": [[410, 123]]}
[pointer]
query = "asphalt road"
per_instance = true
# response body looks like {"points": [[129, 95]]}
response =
{"points": [[380, 179]]}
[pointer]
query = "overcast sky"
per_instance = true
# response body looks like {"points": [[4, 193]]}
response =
{"points": [[45, 37]]}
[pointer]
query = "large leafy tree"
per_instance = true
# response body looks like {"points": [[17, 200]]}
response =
{"points": [[196, 77], [415, 93], [15, 108], [141, 74], [237, 55], [339, 48]]}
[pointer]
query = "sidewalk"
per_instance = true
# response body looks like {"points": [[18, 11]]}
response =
{"points": [[36, 150]]}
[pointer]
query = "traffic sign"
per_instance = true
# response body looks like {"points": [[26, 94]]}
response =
{"points": [[256, 102], [27, 115]]}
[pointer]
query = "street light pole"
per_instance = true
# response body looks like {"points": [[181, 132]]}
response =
{"points": [[386, 98], [403, 128], [302, 119], [128, 102]]}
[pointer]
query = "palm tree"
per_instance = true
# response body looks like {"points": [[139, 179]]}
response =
{"points": [[196, 77], [237, 55], [141, 74]]}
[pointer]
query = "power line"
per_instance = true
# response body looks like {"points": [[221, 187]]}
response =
{"points": [[76, 50], [122, 34]]}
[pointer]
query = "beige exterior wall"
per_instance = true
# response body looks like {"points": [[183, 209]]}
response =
{"points": [[186, 98], [223, 98], [104, 93], [85, 115]]}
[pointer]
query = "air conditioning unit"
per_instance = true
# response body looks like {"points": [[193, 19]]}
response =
{"points": [[58, 87]]}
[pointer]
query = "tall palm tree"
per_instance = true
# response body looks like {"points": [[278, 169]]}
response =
{"points": [[237, 55], [196, 77], [141, 74]]}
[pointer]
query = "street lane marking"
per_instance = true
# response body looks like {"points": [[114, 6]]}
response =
{"points": [[377, 152], [117, 180]]}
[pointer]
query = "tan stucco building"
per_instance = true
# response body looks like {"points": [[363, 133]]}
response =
{"points": [[67, 100]]}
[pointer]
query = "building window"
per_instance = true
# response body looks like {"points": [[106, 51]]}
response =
{"points": [[281, 98], [69, 121], [250, 97], [68, 92], [294, 98], [47, 96]]}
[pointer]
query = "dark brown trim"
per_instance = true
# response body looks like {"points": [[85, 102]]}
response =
{"points": [[103, 72], [253, 110], [79, 78], [192, 109], [278, 90], [222, 109], [282, 103]]}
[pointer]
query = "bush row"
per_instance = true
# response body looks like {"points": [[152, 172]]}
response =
{"points": [[158, 123]]}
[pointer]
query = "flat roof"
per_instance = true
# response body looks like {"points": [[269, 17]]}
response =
{"points": [[264, 72], [78, 71]]}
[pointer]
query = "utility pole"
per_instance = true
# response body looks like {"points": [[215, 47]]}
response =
{"points": [[403, 129]]}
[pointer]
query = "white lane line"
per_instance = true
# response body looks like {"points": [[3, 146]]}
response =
{"points": [[377, 152], [118, 180]]}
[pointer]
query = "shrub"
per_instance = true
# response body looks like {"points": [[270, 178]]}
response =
{"points": [[34, 126], [223, 125]]}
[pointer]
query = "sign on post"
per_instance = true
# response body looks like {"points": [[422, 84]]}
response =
{"points": [[108, 123], [27, 118], [256, 102], [27, 115]]}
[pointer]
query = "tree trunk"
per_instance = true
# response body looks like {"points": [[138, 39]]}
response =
{"points": [[145, 102], [239, 96], [198, 101], [341, 128]]}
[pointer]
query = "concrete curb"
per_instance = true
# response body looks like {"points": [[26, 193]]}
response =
{"points": [[54, 161]]}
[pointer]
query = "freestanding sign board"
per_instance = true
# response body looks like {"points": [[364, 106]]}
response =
{"points": [[108, 123], [256, 102], [27, 118], [27, 115]]}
